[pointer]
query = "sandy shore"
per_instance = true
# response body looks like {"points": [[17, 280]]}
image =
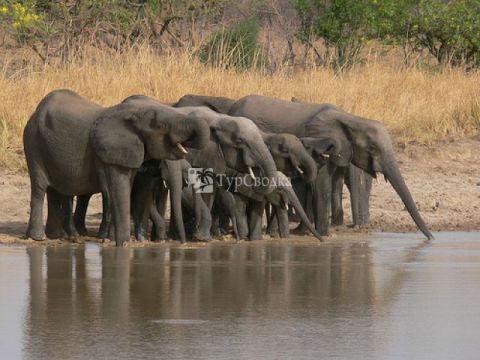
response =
{"points": [[444, 180]]}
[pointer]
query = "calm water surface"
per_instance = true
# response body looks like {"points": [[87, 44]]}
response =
{"points": [[381, 297]]}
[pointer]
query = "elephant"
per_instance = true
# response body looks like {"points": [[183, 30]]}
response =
{"points": [[363, 142], [76, 147], [359, 184], [293, 160], [239, 135], [149, 201]]}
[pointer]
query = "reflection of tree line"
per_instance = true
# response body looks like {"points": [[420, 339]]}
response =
{"points": [[82, 303]]}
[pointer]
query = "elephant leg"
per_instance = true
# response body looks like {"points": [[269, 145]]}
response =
{"points": [[67, 211], [203, 217], [118, 181], [352, 179], [322, 194], [255, 215], [158, 228], [272, 221], [141, 203], [54, 227], [81, 213], [282, 218], [175, 183], [105, 225], [38, 187], [304, 194], [337, 192], [226, 210], [364, 203], [241, 216]]}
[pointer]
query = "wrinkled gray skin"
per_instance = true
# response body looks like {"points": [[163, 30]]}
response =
{"points": [[223, 212], [363, 142], [359, 184], [366, 143], [76, 147], [228, 132], [252, 203], [293, 160], [149, 202]]}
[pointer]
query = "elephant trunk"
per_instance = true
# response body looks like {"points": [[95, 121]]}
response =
{"points": [[265, 161], [197, 132], [392, 174], [310, 167], [175, 182], [295, 202]]}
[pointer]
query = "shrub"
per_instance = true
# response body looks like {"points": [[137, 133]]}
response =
{"points": [[236, 46]]}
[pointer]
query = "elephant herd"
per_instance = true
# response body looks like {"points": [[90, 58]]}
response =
{"points": [[258, 155]]}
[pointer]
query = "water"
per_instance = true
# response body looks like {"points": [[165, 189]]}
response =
{"points": [[377, 297]]}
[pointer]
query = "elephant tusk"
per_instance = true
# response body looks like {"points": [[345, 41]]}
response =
{"points": [[181, 148], [250, 171], [299, 170], [326, 155]]}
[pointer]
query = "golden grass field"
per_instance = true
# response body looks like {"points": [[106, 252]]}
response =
{"points": [[414, 104]]}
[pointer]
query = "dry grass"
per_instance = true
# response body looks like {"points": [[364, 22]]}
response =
{"points": [[415, 105]]}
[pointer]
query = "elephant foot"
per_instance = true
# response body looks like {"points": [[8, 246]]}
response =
{"points": [[72, 233], [160, 237], [253, 237], [300, 230], [201, 236], [55, 233], [273, 234], [38, 235], [82, 231], [76, 240], [337, 222], [102, 233]]}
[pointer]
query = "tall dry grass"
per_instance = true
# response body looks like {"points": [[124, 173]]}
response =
{"points": [[415, 105]]}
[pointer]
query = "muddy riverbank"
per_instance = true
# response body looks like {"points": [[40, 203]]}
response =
{"points": [[444, 180]]}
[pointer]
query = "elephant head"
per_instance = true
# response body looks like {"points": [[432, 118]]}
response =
{"points": [[371, 151], [290, 155], [128, 133], [240, 143]]}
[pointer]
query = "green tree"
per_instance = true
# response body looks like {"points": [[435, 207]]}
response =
{"points": [[344, 25]]}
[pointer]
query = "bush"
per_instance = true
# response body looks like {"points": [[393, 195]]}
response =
{"points": [[237, 46]]}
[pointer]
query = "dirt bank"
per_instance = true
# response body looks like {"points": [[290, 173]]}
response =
{"points": [[444, 180]]}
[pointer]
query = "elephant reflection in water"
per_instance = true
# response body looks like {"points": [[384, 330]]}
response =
{"points": [[212, 281], [72, 299], [120, 291]]}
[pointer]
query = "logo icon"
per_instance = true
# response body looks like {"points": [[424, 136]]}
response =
{"points": [[201, 179]]}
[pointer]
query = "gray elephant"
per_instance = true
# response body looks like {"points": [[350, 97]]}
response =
{"points": [[76, 147], [232, 133], [359, 184], [364, 143], [293, 160], [149, 196]]}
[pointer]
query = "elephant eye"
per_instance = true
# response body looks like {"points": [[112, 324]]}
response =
{"points": [[284, 148], [238, 140]]}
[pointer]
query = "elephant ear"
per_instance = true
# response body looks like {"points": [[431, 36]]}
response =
{"points": [[364, 135], [115, 138]]}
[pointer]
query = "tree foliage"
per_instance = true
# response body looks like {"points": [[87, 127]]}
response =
{"points": [[448, 30]]}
